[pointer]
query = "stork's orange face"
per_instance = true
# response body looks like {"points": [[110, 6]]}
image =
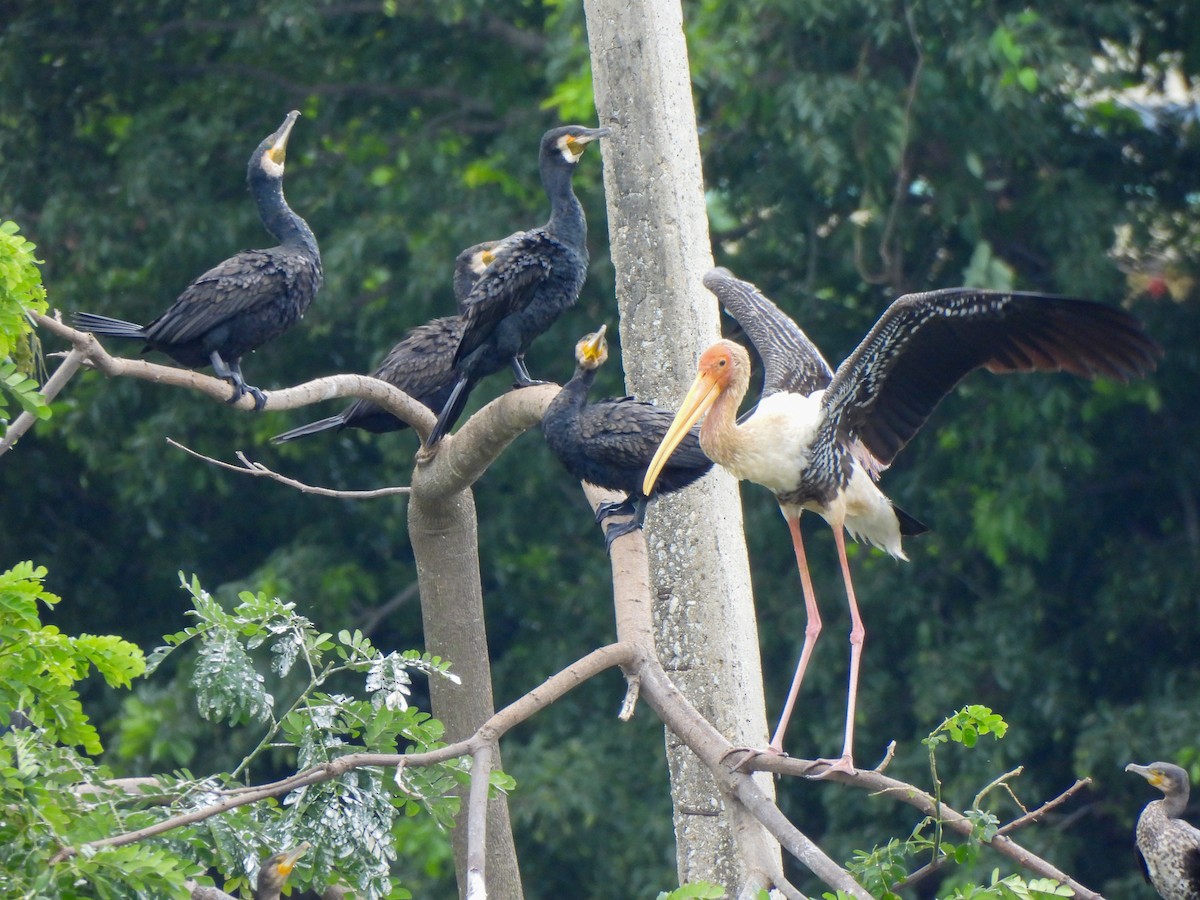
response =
{"points": [[716, 369]]}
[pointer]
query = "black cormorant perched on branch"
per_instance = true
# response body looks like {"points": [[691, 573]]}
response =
{"points": [[273, 872], [819, 438], [610, 443], [1169, 847], [245, 301], [421, 365], [533, 279]]}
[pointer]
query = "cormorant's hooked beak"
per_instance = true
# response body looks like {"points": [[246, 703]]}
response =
{"points": [[593, 347], [1146, 772], [290, 858], [278, 149], [703, 394], [575, 143]]}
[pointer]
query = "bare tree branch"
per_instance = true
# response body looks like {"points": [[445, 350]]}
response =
{"points": [[249, 467], [876, 782], [460, 459], [70, 365], [331, 387]]}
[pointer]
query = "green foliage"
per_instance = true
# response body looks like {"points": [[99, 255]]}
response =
{"points": [[21, 293], [696, 890], [1014, 887], [39, 666], [350, 819]]}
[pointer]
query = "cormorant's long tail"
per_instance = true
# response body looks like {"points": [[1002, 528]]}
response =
{"points": [[108, 327], [455, 404], [310, 428]]}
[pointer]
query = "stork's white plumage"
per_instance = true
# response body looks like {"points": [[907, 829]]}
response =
{"points": [[819, 438]]}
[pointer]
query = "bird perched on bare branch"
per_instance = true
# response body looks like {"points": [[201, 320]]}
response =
{"points": [[246, 301], [818, 439]]}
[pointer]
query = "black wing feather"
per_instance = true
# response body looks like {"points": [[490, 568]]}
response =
{"points": [[791, 362], [924, 344], [245, 282], [508, 285]]}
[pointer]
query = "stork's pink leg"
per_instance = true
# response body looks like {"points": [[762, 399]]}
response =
{"points": [[858, 634], [811, 630]]}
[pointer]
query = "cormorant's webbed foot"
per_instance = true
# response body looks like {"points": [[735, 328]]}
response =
{"points": [[617, 529], [232, 372], [522, 374], [615, 508]]}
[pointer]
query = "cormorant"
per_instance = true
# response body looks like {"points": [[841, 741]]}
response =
{"points": [[1168, 847], [273, 872], [533, 279], [421, 365], [819, 438], [245, 301], [610, 443]]}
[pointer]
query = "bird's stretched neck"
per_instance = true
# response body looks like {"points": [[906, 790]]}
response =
{"points": [[1175, 803], [278, 218], [567, 221]]}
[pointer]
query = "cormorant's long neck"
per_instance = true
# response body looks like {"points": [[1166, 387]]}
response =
{"points": [[285, 226], [567, 221], [575, 392], [1173, 804]]}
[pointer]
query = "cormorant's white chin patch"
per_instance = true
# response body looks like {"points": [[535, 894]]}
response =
{"points": [[571, 151], [270, 166]]}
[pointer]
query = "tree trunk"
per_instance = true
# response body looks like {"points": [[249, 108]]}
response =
{"points": [[446, 546], [658, 232]]}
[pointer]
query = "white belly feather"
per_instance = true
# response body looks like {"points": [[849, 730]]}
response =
{"points": [[772, 450]]}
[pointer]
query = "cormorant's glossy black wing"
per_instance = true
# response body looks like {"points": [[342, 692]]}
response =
{"points": [[924, 344], [624, 431], [244, 282], [422, 365], [508, 285], [791, 362]]}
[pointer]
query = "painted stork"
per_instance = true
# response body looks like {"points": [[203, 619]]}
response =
{"points": [[818, 439]]}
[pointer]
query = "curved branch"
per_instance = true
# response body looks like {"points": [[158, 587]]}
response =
{"points": [[459, 459], [878, 783], [512, 715]]}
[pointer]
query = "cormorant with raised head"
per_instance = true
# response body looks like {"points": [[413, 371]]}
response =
{"points": [[533, 279], [273, 872], [249, 299], [610, 443], [818, 439], [1168, 847], [421, 365]]}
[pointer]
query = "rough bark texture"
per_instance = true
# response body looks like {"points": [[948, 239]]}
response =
{"points": [[658, 233], [444, 539]]}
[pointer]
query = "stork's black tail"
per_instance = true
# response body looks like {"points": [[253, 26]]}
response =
{"points": [[311, 428], [107, 327], [909, 524]]}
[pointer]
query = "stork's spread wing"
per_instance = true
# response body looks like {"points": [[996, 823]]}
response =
{"points": [[791, 362], [508, 284], [925, 343]]}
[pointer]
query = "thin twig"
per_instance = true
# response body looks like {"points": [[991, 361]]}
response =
{"points": [[1036, 814], [249, 467]]}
